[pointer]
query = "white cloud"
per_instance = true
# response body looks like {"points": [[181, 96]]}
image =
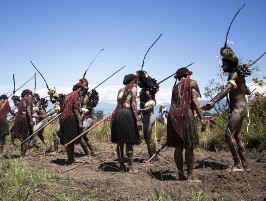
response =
{"points": [[164, 95], [255, 88], [108, 94]]}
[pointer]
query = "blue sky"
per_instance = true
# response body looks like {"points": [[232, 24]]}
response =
{"points": [[62, 37]]}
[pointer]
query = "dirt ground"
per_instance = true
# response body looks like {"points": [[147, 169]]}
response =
{"points": [[157, 180]]}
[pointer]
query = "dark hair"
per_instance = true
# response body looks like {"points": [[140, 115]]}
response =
{"points": [[182, 72], [128, 78], [15, 98], [26, 92], [4, 96]]}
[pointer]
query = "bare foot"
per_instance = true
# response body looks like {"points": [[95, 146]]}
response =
{"points": [[247, 169], [54, 153], [235, 169], [194, 180], [130, 169]]}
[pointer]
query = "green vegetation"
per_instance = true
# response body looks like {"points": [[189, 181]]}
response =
{"points": [[253, 129], [19, 182]]}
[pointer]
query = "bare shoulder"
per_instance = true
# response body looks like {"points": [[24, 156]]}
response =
{"points": [[233, 76], [194, 87], [134, 89], [193, 83]]}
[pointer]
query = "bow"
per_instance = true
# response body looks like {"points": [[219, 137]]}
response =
{"points": [[149, 50], [91, 63], [40, 75], [225, 43]]}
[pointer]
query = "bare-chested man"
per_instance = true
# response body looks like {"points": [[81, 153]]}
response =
{"points": [[237, 89], [57, 100], [149, 88], [16, 100], [40, 105], [89, 101]]}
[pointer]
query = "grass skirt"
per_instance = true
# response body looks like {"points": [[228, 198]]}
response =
{"points": [[22, 127], [4, 127], [190, 133], [69, 129], [124, 129]]}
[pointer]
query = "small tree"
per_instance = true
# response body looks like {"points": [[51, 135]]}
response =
{"points": [[97, 114]]}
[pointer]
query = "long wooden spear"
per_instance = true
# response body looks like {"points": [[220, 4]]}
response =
{"points": [[40, 129], [257, 59], [86, 131], [109, 77], [156, 153], [174, 74]]}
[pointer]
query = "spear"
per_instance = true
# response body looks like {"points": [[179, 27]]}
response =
{"points": [[257, 59], [149, 50], [40, 129], [225, 43], [91, 63], [156, 153], [40, 75], [89, 129], [109, 77], [173, 74]]}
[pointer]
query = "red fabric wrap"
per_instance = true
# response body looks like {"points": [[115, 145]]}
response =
{"points": [[71, 102], [4, 109], [179, 109], [25, 102]]}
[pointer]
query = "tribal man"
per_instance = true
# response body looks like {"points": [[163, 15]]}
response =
{"points": [[16, 100], [181, 123], [163, 112], [89, 101], [149, 88], [237, 89], [70, 120], [57, 100], [4, 127], [24, 121], [125, 122], [40, 105]]}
